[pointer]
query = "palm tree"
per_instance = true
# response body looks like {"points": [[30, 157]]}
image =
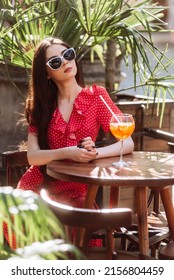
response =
{"points": [[88, 26]]}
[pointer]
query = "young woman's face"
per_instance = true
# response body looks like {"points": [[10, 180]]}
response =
{"points": [[67, 69]]}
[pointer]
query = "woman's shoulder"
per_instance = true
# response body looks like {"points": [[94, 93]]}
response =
{"points": [[94, 90]]}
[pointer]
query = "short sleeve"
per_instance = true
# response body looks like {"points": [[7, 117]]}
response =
{"points": [[104, 114], [32, 129]]}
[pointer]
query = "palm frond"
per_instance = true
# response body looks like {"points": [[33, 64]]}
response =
{"points": [[27, 218], [38, 233], [87, 25]]}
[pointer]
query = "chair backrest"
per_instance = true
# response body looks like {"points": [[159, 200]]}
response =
{"points": [[15, 163], [88, 221], [89, 218]]}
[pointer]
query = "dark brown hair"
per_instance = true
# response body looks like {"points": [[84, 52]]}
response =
{"points": [[42, 95]]}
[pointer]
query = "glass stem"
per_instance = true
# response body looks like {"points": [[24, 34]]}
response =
{"points": [[121, 152]]}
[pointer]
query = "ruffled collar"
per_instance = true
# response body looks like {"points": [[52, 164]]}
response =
{"points": [[81, 104], [84, 99]]}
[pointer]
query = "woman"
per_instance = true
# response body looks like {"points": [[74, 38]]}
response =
{"points": [[64, 118]]}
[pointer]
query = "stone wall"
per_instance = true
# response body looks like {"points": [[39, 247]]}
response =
{"points": [[11, 107]]}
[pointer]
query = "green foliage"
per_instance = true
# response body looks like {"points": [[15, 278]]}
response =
{"points": [[34, 227], [24, 212], [56, 249], [87, 25], [84, 24]]}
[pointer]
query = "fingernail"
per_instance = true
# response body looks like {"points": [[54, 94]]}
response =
{"points": [[80, 146]]}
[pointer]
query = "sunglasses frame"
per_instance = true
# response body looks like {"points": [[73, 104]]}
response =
{"points": [[61, 57]]}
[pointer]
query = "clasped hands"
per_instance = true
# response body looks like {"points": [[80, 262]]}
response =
{"points": [[86, 150]]}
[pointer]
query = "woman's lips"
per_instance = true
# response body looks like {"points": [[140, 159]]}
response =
{"points": [[68, 69]]}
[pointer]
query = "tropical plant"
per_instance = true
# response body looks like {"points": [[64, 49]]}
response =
{"points": [[33, 229], [88, 26]]}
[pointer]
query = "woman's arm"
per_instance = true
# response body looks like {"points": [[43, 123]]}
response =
{"points": [[114, 149], [36, 156]]}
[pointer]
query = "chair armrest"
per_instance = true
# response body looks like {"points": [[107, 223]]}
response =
{"points": [[158, 134]]}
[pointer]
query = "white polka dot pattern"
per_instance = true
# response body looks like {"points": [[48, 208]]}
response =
{"points": [[88, 114]]}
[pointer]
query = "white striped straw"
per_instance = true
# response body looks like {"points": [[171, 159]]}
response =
{"points": [[109, 108]]}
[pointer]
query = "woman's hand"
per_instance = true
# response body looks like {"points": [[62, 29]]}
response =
{"points": [[87, 144], [85, 152], [82, 155]]}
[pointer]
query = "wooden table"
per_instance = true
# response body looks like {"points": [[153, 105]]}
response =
{"points": [[147, 169]]}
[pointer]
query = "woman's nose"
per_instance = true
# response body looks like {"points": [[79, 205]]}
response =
{"points": [[64, 61]]}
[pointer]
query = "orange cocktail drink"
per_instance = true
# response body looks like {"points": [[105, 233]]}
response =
{"points": [[122, 130]]}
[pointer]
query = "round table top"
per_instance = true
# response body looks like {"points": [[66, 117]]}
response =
{"points": [[152, 169]]}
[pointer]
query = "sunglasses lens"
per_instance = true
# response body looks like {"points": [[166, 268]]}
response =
{"points": [[69, 54], [55, 63]]}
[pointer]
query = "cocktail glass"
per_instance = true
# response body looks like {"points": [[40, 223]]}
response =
{"points": [[122, 126]]}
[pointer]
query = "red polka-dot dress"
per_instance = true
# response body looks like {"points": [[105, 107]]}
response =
{"points": [[88, 114]]}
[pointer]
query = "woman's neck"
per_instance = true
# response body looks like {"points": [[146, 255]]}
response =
{"points": [[66, 97], [68, 91]]}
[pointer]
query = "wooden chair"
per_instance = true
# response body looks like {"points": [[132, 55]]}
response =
{"points": [[169, 138], [15, 163], [166, 252], [171, 147], [88, 221]]}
